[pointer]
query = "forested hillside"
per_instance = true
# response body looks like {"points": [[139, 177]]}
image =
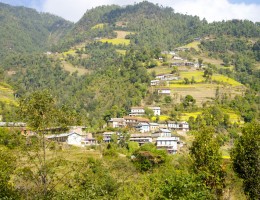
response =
{"points": [[25, 30], [96, 70]]}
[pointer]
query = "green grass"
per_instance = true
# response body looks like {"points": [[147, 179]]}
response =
{"points": [[198, 85], [198, 77], [69, 52], [123, 34], [225, 79], [98, 26], [6, 94], [122, 52], [193, 44], [116, 41], [160, 70], [70, 68], [186, 116], [161, 118]]}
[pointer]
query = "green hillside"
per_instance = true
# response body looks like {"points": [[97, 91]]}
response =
{"points": [[102, 66], [24, 30]]}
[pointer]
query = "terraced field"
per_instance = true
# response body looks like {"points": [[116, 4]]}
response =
{"points": [[203, 92], [7, 94], [116, 41], [193, 44]]}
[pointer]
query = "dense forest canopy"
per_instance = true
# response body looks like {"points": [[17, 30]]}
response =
{"points": [[25, 30]]}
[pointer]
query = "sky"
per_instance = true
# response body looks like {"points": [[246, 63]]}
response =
{"points": [[211, 10]]}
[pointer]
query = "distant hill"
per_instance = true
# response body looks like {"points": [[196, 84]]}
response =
{"points": [[26, 30], [154, 26]]}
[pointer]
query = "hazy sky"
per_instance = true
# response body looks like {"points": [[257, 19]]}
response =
{"points": [[212, 10]]}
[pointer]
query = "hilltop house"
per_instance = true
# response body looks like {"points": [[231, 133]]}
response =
{"points": [[164, 91]]}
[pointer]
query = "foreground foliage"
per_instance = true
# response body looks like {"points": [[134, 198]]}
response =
{"points": [[246, 159]]}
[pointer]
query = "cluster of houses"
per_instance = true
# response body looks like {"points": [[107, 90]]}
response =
{"points": [[135, 121], [187, 64], [160, 78], [162, 137], [143, 131]]}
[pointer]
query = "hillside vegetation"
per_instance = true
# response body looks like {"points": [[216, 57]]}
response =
{"points": [[100, 67], [25, 30]]}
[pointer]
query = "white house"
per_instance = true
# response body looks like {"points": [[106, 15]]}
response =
{"points": [[74, 139], [137, 111], [70, 138], [154, 126], [117, 122], [181, 126], [155, 82], [143, 127], [88, 140], [107, 136], [168, 143], [164, 91], [163, 132], [141, 138]]}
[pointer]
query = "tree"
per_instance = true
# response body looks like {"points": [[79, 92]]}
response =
{"points": [[149, 112], [188, 101], [246, 159], [41, 113], [7, 166], [207, 159], [148, 157], [200, 61], [208, 73]]}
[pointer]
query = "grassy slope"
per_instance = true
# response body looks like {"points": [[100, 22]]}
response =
{"points": [[6, 94]]}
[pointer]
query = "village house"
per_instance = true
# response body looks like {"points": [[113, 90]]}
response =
{"points": [[143, 127], [117, 122], [168, 143], [182, 49], [177, 64], [155, 82], [163, 132], [172, 53], [167, 77], [178, 126], [139, 111], [141, 138], [154, 126], [88, 140], [107, 136], [189, 64], [164, 91], [73, 138], [133, 121], [176, 58]]}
